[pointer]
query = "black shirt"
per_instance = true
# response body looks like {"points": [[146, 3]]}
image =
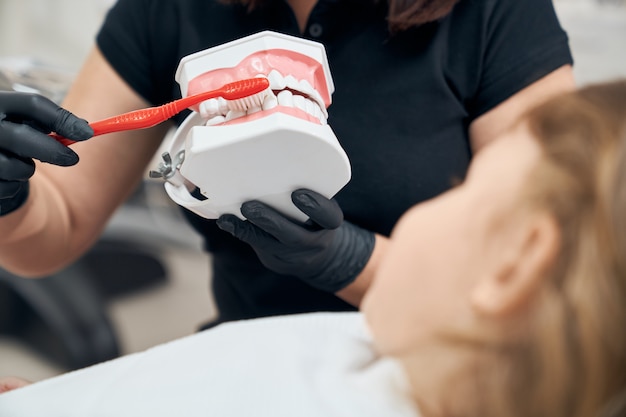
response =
{"points": [[401, 108]]}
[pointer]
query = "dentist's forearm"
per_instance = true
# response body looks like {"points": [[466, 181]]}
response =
{"points": [[34, 239], [354, 292]]}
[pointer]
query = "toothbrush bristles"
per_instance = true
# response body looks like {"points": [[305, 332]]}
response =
{"points": [[246, 103]]}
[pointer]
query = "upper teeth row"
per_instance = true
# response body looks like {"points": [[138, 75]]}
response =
{"points": [[217, 110]]}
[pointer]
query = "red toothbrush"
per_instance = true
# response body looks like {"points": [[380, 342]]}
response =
{"points": [[240, 96]]}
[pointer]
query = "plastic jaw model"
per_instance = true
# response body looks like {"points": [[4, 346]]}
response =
{"points": [[219, 158]]}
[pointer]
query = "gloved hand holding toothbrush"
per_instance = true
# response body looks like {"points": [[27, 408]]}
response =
{"points": [[326, 252], [25, 121]]}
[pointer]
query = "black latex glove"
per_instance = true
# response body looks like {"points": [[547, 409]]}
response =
{"points": [[25, 121], [326, 252]]}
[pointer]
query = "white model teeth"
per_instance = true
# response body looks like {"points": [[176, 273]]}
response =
{"points": [[277, 81], [285, 98], [299, 102], [216, 120], [213, 107], [317, 98], [270, 102], [233, 114], [291, 82], [306, 99], [209, 108]]}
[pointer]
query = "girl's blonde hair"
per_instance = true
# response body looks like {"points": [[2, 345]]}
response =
{"points": [[571, 358]]}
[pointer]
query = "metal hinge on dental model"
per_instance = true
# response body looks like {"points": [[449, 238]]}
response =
{"points": [[169, 168]]}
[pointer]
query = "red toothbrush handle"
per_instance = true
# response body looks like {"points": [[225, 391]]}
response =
{"points": [[61, 139], [152, 116], [138, 119]]}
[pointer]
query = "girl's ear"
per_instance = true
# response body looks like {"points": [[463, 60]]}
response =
{"points": [[516, 274]]}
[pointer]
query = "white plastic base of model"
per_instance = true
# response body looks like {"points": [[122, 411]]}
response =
{"points": [[265, 160]]}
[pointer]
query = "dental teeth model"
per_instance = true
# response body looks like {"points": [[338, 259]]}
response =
{"points": [[220, 157], [297, 95]]}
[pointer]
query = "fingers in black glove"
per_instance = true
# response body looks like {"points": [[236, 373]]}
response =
{"points": [[14, 168], [25, 121], [324, 214], [13, 195], [321, 211], [45, 113], [326, 252]]}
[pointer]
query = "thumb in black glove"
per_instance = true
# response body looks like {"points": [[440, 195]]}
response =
{"points": [[25, 121], [326, 252]]}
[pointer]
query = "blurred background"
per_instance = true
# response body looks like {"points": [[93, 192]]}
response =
{"points": [[147, 280]]}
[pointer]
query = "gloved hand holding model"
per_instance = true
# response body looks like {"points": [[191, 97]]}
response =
{"points": [[25, 121], [326, 252]]}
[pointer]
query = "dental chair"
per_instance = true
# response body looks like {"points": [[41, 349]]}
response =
{"points": [[64, 316]]}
